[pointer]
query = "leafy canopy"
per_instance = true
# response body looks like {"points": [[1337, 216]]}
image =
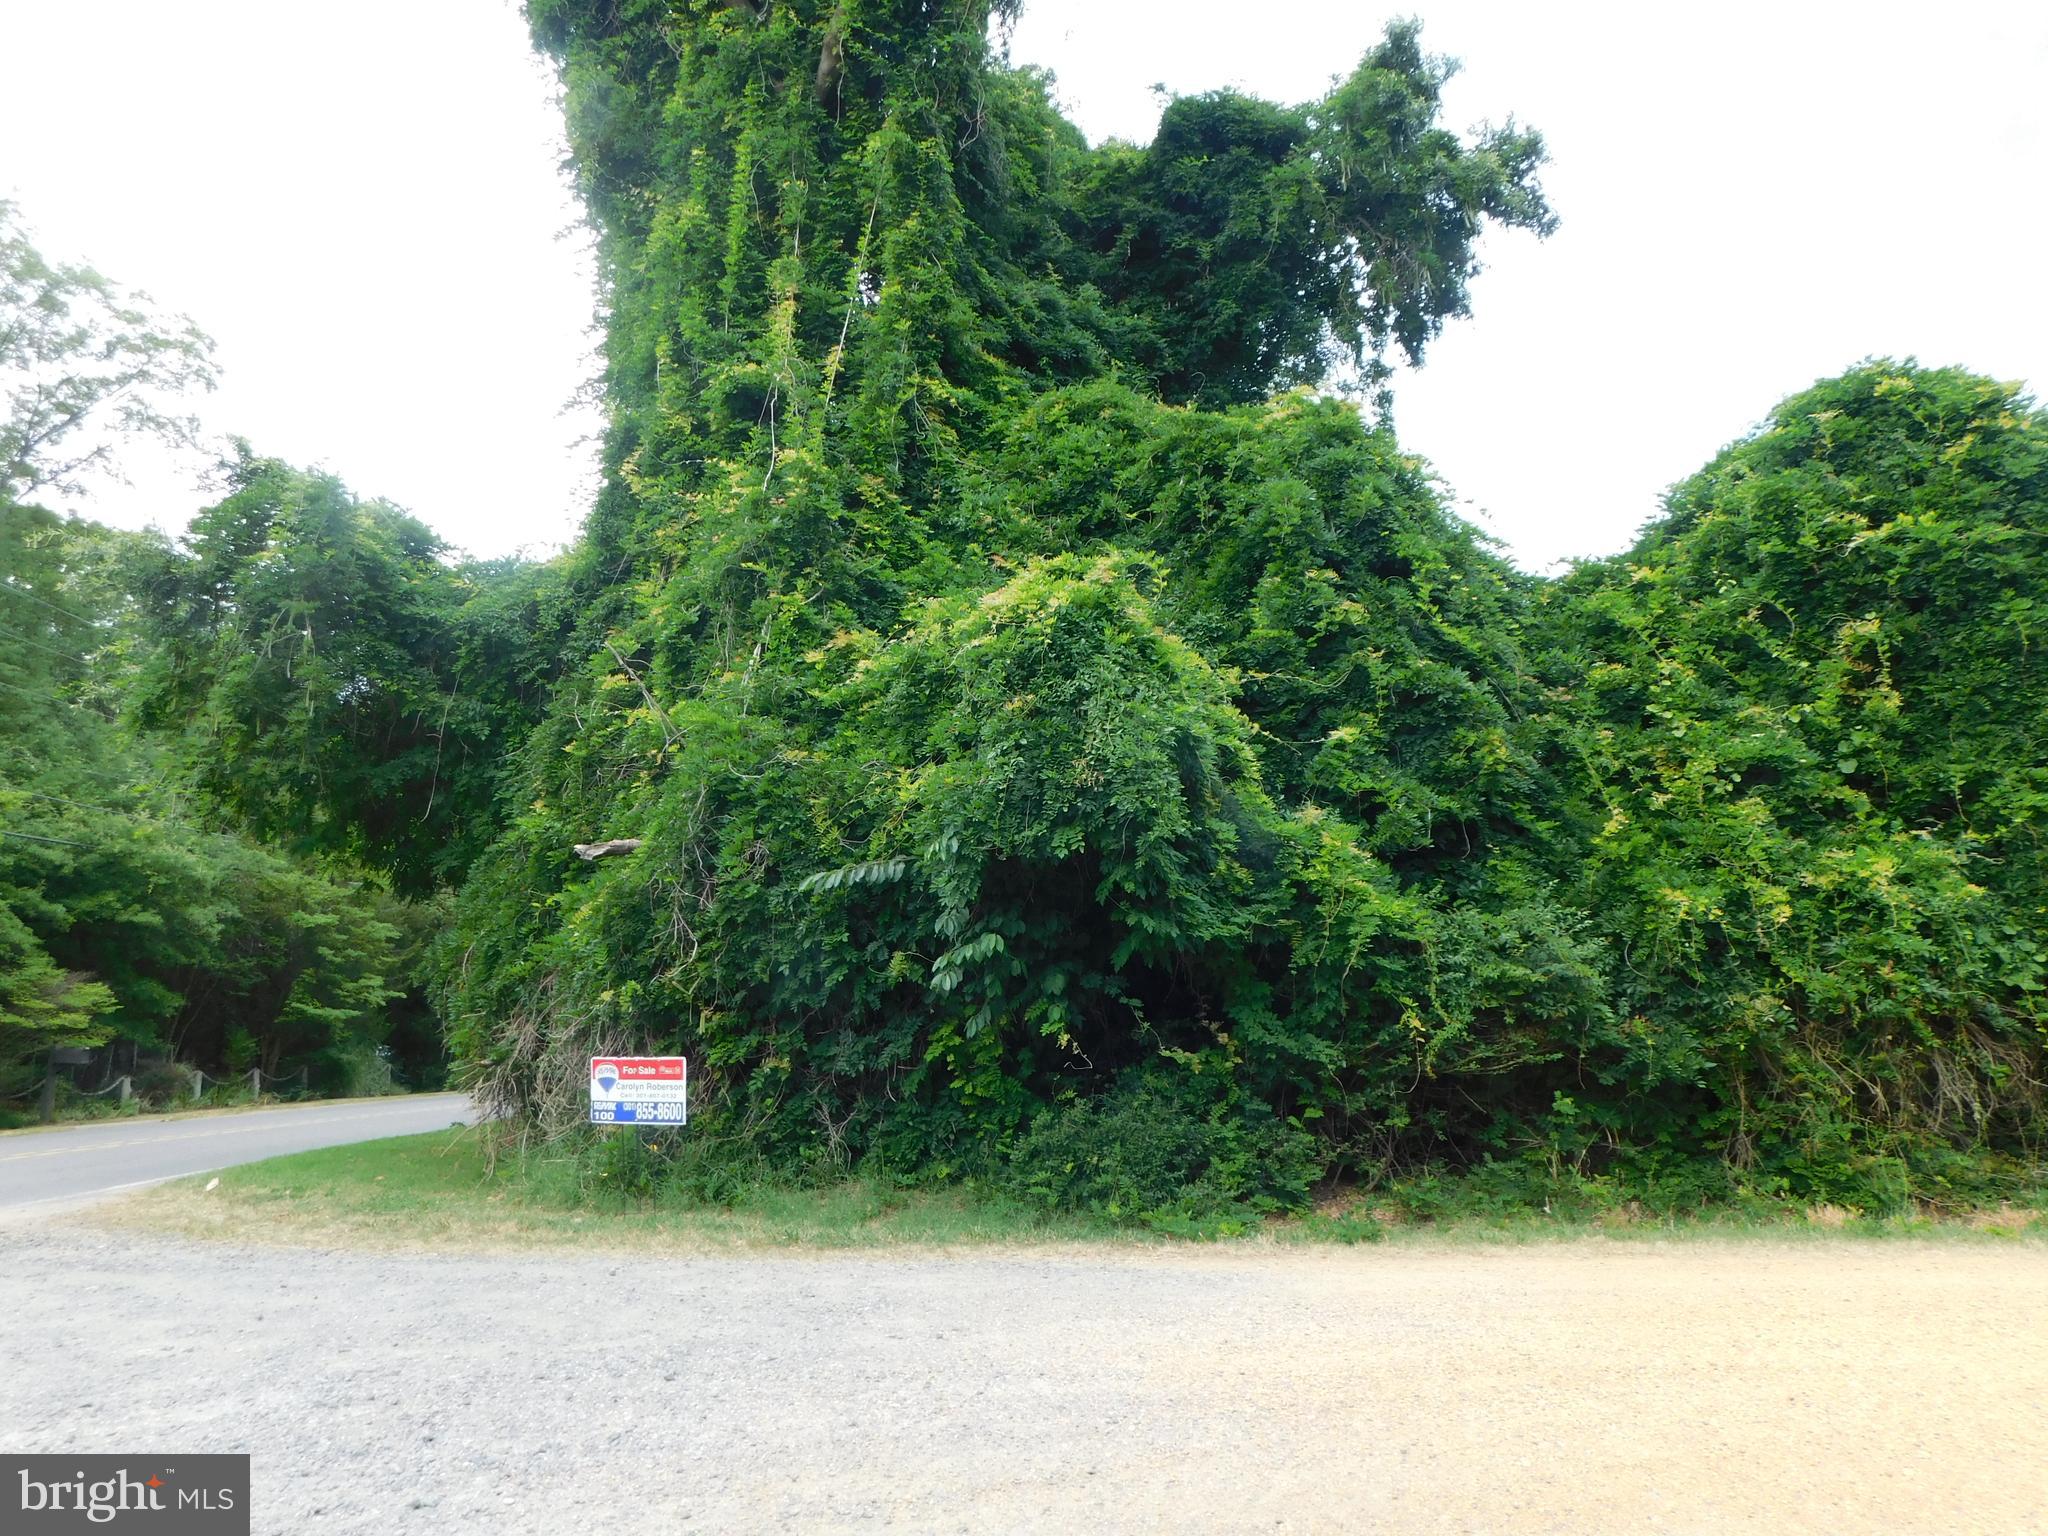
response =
{"points": [[83, 363], [1049, 735], [128, 921]]}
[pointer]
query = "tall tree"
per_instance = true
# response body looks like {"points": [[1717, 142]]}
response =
{"points": [[332, 677], [992, 730], [124, 922], [83, 364], [1255, 245]]}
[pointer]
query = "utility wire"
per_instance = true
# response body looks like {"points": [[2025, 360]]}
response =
{"points": [[76, 805], [53, 650], [10, 588], [30, 837], [37, 693]]}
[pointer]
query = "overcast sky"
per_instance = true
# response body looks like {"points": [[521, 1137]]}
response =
{"points": [[362, 204]]}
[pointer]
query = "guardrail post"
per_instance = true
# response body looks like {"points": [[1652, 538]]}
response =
{"points": [[255, 1082], [198, 1084], [127, 1090]]}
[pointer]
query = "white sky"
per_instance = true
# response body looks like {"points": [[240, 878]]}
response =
{"points": [[362, 204]]}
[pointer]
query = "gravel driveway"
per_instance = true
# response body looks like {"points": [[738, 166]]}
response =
{"points": [[1591, 1387]]}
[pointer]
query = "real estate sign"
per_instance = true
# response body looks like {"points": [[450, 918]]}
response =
{"points": [[639, 1090]]}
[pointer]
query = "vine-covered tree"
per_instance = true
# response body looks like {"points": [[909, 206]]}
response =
{"points": [[1809, 706], [998, 735], [1027, 732]]}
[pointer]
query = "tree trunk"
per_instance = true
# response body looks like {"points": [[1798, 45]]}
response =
{"points": [[831, 59]]}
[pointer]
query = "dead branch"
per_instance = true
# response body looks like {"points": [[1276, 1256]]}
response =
{"points": [[614, 845], [668, 735]]}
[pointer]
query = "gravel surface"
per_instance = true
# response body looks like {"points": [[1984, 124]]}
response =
{"points": [[1587, 1387]]}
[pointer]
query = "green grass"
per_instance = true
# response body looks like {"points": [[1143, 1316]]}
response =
{"points": [[437, 1191]]}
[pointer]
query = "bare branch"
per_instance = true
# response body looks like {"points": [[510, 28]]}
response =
{"points": [[591, 851]]}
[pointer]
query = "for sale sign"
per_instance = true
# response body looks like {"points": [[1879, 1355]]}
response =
{"points": [[638, 1090]]}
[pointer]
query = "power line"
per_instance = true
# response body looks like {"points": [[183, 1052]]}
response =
{"points": [[35, 693], [53, 650], [30, 837], [10, 587], [76, 805]]}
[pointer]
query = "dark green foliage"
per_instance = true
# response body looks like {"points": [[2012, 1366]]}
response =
{"points": [[1062, 756], [1254, 245], [333, 678], [1053, 745], [1173, 1152], [1809, 711], [123, 921]]}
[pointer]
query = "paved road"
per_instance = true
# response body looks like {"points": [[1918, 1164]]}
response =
{"points": [[1577, 1390], [81, 1161]]}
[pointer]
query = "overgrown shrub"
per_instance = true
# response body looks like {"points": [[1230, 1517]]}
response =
{"points": [[162, 1084], [1167, 1151]]}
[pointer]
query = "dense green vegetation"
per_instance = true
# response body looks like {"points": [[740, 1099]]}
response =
{"points": [[1059, 747], [462, 1189], [137, 917], [129, 922]]}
